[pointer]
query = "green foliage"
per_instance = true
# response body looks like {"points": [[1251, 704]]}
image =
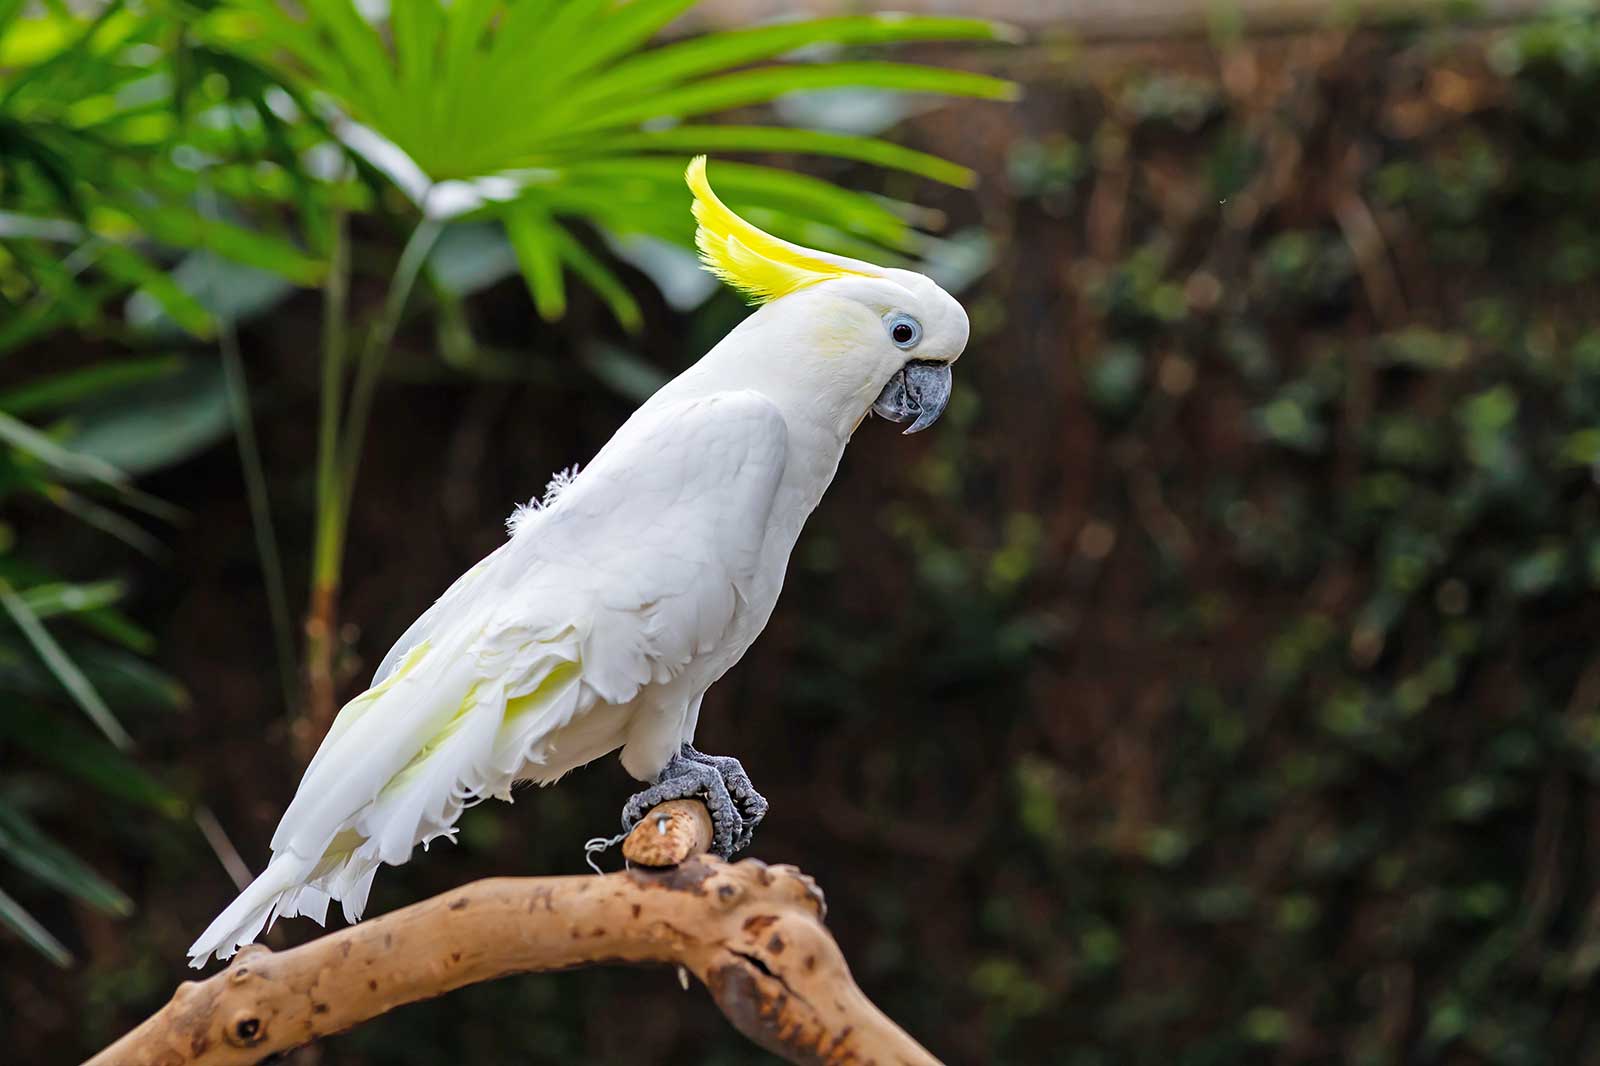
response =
{"points": [[98, 166], [1294, 755], [168, 171], [105, 175], [557, 114], [1220, 673]]}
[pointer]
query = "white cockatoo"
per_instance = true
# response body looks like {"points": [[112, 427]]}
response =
{"points": [[628, 591]]}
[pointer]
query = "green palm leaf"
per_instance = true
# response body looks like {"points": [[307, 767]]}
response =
{"points": [[103, 170], [686, 140], [561, 98]]}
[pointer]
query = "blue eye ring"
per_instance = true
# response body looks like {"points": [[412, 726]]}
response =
{"points": [[904, 330]]}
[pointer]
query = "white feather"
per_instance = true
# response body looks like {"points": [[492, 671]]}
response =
{"points": [[625, 592], [532, 663]]}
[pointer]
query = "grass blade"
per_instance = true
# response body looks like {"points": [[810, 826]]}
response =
{"points": [[66, 597], [358, 46], [26, 845], [90, 605], [416, 27], [89, 759], [64, 461], [237, 387], [16, 918], [106, 521], [61, 665], [559, 36], [63, 390]]}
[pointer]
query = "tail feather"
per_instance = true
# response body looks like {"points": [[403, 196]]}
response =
{"points": [[244, 919], [305, 902], [423, 800], [396, 770]]}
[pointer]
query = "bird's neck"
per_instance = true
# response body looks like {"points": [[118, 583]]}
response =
{"points": [[819, 425], [809, 374]]}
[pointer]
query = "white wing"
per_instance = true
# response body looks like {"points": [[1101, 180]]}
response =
{"points": [[636, 568], [460, 593], [654, 540]]}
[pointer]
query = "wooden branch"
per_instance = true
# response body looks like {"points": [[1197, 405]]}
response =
{"points": [[671, 833], [751, 933]]}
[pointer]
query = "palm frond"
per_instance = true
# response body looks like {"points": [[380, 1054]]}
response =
{"points": [[560, 102]]}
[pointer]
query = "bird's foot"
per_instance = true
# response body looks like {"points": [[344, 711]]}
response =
{"points": [[718, 781]]}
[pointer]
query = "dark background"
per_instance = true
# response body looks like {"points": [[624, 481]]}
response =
{"points": [[1215, 684]]}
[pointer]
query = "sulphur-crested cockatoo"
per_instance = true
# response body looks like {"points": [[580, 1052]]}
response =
{"points": [[619, 599]]}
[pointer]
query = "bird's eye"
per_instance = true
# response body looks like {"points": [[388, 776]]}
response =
{"points": [[903, 330]]}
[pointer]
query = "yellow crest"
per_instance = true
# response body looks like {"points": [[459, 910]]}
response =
{"points": [[756, 263]]}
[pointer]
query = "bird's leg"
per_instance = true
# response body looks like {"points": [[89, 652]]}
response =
{"points": [[720, 783], [752, 804], [684, 779]]}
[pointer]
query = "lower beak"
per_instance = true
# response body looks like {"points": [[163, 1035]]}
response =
{"points": [[918, 392]]}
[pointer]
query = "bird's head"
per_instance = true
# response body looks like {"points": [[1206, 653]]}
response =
{"points": [[838, 335]]}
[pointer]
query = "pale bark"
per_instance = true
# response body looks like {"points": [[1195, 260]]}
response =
{"points": [[751, 933]]}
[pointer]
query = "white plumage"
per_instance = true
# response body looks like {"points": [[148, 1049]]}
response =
{"points": [[602, 620]]}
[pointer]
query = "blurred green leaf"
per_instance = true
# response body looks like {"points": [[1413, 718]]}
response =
{"points": [[88, 758], [158, 423], [27, 847], [471, 256], [106, 520], [706, 138], [63, 460], [63, 390], [61, 665], [122, 677], [538, 97], [534, 239], [14, 917], [91, 606], [219, 288], [623, 371], [64, 597], [183, 228]]}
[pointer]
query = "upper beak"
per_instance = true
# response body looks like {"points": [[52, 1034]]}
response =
{"points": [[919, 390]]}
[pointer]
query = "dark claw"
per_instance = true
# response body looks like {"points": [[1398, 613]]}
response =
{"points": [[718, 780]]}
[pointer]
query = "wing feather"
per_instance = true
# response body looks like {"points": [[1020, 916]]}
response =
{"points": [[634, 570]]}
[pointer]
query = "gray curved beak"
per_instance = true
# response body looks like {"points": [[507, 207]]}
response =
{"points": [[918, 393]]}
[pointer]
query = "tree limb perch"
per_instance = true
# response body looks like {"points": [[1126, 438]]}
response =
{"points": [[751, 933]]}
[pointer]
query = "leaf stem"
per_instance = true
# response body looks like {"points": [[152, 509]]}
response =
{"points": [[328, 534], [339, 458], [255, 477], [376, 351], [61, 665]]}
